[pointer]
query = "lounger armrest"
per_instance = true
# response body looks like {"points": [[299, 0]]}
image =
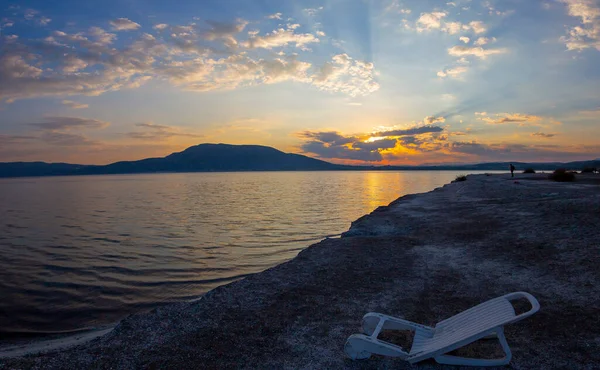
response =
{"points": [[535, 305]]}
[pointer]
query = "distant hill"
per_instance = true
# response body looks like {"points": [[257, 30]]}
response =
{"points": [[221, 157], [199, 158], [20, 169], [225, 157]]}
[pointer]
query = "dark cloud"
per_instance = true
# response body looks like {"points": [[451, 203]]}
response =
{"points": [[66, 139], [331, 144], [543, 135], [66, 123], [470, 148], [522, 119], [156, 132], [340, 152], [153, 126], [15, 139], [330, 137], [429, 120], [223, 29], [424, 143], [521, 152], [412, 131], [375, 145]]}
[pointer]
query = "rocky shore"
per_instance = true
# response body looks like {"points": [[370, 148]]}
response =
{"points": [[424, 257]]}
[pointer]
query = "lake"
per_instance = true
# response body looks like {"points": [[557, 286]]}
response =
{"points": [[87, 251]]}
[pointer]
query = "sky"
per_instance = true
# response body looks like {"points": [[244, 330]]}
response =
{"points": [[347, 81]]}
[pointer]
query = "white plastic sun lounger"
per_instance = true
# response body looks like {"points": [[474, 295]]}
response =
{"points": [[482, 321]]}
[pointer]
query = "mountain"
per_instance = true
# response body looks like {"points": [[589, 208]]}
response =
{"points": [[21, 169], [199, 158], [224, 157]]}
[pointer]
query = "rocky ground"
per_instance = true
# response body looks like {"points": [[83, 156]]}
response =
{"points": [[424, 257]]}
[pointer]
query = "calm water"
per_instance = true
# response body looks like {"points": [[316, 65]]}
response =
{"points": [[85, 251]]}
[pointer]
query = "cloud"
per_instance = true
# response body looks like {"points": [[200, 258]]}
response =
{"points": [[452, 27], [237, 71], [484, 40], [274, 16], [375, 145], [225, 31], [346, 75], [30, 14], [394, 7], [453, 72], [432, 119], [6, 140], [186, 73], [321, 150], [430, 21], [154, 132], [67, 123], [14, 66], [90, 63], [160, 26], [510, 151], [587, 10], [65, 139], [479, 52], [414, 130], [280, 70], [101, 36], [43, 21], [436, 21], [464, 39], [492, 10], [473, 148], [124, 24], [313, 11], [501, 118], [278, 38], [372, 147], [543, 135], [333, 145], [329, 137], [320, 33], [478, 27], [587, 34], [74, 105]]}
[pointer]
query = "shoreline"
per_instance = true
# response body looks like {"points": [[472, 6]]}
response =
{"points": [[57, 343], [424, 257]]}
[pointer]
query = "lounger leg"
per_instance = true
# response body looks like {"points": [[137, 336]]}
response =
{"points": [[359, 346], [456, 360]]}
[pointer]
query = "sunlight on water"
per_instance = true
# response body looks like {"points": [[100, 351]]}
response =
{"points": [[81, 251]]}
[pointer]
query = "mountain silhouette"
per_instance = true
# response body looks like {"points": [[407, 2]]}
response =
{"points": [[198, 158], [226, 157], [221, 157]]}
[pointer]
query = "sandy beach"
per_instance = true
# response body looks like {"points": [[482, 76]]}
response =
{"points": [[424, 258]]}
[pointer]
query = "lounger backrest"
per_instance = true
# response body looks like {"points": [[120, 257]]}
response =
{"points": [[481, 318], [472, 324]]}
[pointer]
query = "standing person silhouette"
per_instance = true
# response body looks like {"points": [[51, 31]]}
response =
{"points": [[512, 170]]}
